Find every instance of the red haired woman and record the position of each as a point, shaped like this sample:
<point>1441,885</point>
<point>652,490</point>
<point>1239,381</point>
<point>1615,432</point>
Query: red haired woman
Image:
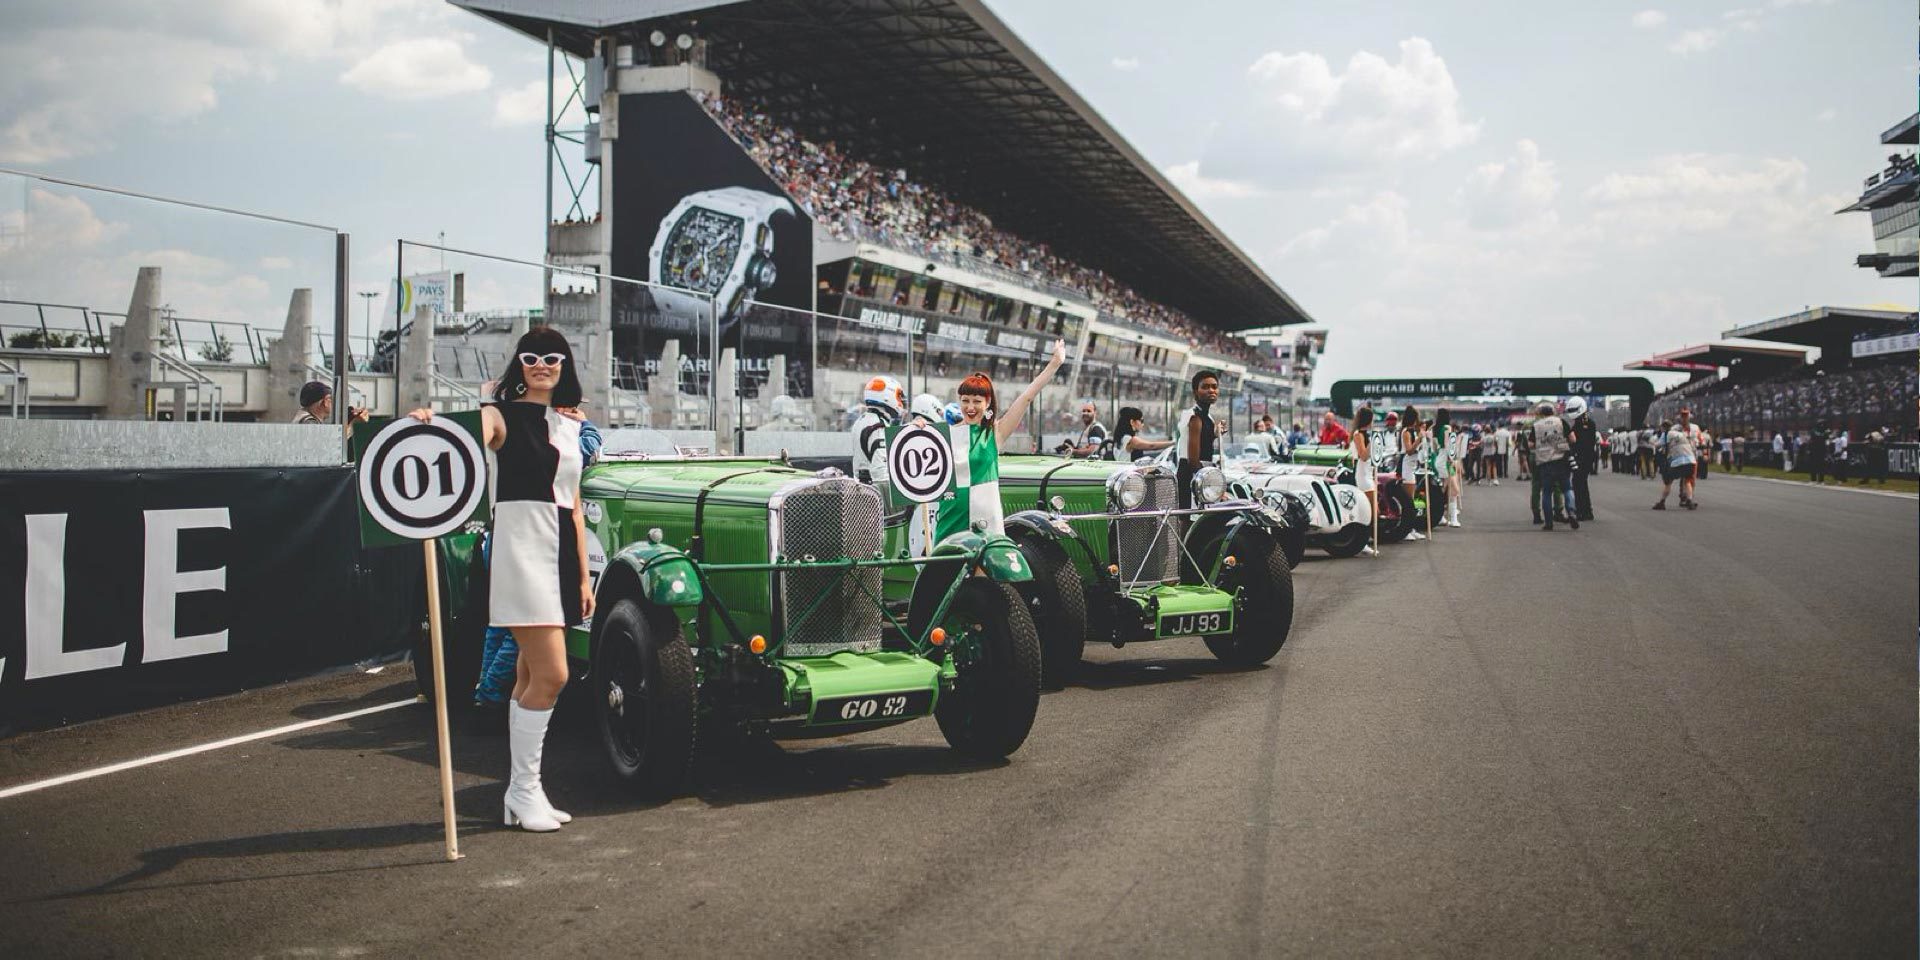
<point>986,428</point>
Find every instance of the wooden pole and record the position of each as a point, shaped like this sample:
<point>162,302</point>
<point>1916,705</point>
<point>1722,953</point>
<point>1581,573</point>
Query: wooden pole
<point>440,694</point>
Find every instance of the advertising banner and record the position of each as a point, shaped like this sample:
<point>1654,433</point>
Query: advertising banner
<point>692,211</point>
<point>122,590</point>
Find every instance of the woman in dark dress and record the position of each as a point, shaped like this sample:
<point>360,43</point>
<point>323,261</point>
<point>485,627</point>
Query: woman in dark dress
<point>539,582</point>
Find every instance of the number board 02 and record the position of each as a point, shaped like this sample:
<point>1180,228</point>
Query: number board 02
<point>920,463</point>
<point>419,480</point>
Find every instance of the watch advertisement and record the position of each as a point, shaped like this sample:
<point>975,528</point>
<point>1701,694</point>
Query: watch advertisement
<point>693,211</point>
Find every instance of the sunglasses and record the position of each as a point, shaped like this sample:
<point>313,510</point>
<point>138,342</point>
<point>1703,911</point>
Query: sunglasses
<point>542,359</point>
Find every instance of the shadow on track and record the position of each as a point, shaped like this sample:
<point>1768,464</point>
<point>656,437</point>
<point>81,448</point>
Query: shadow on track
<point>1124,674</point>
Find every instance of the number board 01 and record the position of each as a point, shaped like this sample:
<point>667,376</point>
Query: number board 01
<point>416,480</point>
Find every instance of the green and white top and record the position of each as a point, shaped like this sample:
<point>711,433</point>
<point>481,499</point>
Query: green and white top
<point>976,483</point>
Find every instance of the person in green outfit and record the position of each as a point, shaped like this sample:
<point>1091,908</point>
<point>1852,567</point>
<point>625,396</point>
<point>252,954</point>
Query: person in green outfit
<point>982,428</point>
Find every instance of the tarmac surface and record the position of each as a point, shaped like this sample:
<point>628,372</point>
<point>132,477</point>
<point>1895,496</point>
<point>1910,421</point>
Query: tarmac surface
<point>1665,733</point>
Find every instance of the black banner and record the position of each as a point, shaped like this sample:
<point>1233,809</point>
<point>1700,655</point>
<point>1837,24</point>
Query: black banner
<point>123,590</point>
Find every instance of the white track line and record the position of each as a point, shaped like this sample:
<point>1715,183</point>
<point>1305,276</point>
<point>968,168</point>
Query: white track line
<point>190,751</point>
<point>1817,486</point>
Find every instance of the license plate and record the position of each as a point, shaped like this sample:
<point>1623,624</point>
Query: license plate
<point>1196,624</point>
<point>872,709</point>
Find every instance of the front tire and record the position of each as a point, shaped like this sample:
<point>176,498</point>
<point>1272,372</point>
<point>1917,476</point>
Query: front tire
<point>1293,545</point>
<point>1348,542</point>
<point>646,703</point>
<point>1397,517</point>
<point>1262,626</point>
<point>991,707</point>
<point>1057,601</point>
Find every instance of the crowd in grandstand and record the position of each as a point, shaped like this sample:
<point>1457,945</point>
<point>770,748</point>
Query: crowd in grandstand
<point>853,199</point>
<point>1871,395</point>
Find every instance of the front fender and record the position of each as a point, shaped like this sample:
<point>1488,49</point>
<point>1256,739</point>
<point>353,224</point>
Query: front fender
<point>996,554</point>
<point>660,574</point>
<point>1040,524</point>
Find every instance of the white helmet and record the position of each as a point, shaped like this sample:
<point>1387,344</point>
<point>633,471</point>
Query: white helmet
<point>1576,406</point>
<point>884,396</point>
<point>927,406</point>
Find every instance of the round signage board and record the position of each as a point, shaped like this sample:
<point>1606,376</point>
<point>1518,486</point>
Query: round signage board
<point>920,463</point>
<point>422,480</point>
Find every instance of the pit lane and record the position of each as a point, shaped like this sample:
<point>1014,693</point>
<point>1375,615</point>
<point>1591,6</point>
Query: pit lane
<point>1668,732</point>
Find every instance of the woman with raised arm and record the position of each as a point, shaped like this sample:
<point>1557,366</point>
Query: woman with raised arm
<point>986,428</point>
<point>539,582</point>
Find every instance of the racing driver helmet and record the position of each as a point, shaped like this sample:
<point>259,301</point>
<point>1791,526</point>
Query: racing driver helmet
<point>1576,407</point>
<point>884,397</point>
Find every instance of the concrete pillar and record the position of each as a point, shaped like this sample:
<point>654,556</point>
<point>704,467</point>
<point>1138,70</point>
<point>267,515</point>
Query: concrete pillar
<point>726,386</point>
<point>663,388</point>
<point>416,362</point>
<point>130,350</point>
<point>287,360</point>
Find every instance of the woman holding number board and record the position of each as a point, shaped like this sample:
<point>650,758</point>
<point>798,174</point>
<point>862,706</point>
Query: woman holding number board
<point>986,428</point>
<point>539,582</point>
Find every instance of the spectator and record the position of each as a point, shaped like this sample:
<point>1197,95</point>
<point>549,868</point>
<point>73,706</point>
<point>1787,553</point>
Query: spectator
<point>316,406</point>
<point>1551,450</point>
<point>1332,434</point>
<point>1780,452</point>
<point>1092,440</point>
<point>1127,442</point>
<point>1681,447</point>
<point>1814,452</point>
<point>1502,449</point>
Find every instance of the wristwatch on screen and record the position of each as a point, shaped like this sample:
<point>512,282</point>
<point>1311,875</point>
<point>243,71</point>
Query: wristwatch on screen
<point>719,243</point>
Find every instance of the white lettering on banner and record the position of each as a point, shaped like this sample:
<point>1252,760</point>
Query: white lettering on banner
<point>1582,387</point>
<point>165,581</point>
<point>890,320</point>
<point>1019,342</point>
<point>1430,388</point>
<point>46,653</point>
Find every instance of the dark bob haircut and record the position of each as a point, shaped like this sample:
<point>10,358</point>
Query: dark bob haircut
<point>513,383</point>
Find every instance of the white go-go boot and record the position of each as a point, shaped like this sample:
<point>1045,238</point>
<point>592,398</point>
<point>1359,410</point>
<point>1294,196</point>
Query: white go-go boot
<point>526,801</point>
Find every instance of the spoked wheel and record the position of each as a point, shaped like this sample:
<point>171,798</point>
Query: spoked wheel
<point>645,701</point>
<point>996,653</point>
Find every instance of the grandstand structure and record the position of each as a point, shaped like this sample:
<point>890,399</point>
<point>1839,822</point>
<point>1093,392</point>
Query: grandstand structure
<point>879,186</point>
<point>1851,368</point>
<point>1892,198</point>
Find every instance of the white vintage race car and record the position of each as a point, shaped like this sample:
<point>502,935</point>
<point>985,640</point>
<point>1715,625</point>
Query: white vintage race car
<point>1342,521</point>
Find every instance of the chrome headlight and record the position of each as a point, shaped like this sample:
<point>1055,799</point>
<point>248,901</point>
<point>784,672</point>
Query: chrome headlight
<point>1127,489</point>
<point>1209,485</point>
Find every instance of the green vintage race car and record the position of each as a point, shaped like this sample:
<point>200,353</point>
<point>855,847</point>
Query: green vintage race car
<point>742,594</point>
<point>1115,561</point>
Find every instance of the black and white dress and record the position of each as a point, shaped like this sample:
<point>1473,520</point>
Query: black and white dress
<point>534,483</point>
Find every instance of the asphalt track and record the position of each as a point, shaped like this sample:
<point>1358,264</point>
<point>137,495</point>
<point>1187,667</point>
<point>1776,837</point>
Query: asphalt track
<point>1666,733</point>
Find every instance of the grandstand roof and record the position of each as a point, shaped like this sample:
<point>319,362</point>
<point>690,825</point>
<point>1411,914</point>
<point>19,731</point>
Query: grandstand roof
<point>1721,353</point>
<point>1670,366</point>
<point>946,90</point>
<point>1906,131</point>
<point>1822,325</point>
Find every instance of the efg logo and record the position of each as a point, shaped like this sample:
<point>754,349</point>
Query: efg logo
<point>1496,387</point>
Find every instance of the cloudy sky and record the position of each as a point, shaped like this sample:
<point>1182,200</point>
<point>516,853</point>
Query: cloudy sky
<point>1452,187</point>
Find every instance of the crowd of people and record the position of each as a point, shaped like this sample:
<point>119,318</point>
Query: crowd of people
<point>1863,396</point>
<point>1826,450</point>
<point>853,199</point>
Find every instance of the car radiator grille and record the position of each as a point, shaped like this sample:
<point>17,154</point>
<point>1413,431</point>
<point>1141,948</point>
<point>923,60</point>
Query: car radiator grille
<point>829,520</point>
<point>1145,538</point>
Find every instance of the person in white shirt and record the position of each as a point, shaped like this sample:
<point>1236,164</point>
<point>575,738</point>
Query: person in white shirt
<point>1780,451</point>
<point>1502,446</point>
<point>1682,444</point>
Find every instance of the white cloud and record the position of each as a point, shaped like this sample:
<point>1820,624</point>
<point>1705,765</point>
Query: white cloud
<point>1187,177</point>
<point>1302,117</point>
<point>275,263</point>
<point>81,74</point>
<point>1126,63</point>
<point>1827,115</point>
<point>1737,199</point>
<point>1697,41</point>
<point>1376,227</point>
<point>521,105</point>
<point>420,68</point>
<point>1516,192</point>
<point>1649,19</point>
